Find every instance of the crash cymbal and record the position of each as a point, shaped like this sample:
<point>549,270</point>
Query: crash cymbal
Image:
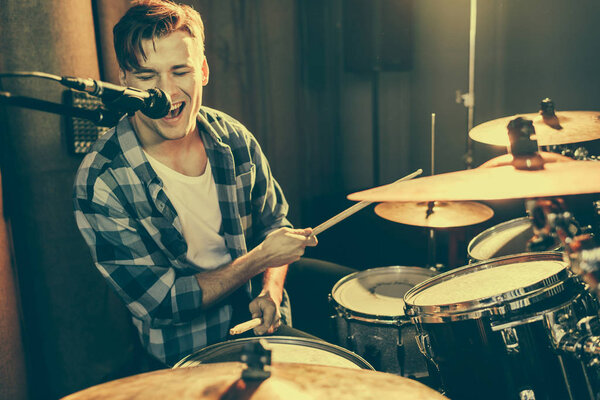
<point>435,214</point>
<point>507,159</point>
<point>497,183</point>
<point>287,381</point>
<point>577,126</point>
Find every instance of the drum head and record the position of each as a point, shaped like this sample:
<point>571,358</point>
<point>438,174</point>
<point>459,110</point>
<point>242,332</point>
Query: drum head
<point>504,239</point>
<point>378,292</point>
<point>284,349</point>
<point>468,292</point>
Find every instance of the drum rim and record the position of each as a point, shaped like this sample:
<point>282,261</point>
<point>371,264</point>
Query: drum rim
<point>348,313</point>
<point>479,238</point>
<point>493,305</point>
<point>312,343</point>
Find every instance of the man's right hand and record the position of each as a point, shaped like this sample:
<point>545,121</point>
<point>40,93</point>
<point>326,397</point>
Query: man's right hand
<point>285,246</point>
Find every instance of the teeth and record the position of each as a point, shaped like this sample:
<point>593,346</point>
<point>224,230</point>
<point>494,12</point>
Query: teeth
<point>175,106</point>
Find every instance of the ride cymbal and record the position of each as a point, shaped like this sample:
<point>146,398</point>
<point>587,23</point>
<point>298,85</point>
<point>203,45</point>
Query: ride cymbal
<point>435,214</point>
<point>496,183</point>
<point>577,126</point>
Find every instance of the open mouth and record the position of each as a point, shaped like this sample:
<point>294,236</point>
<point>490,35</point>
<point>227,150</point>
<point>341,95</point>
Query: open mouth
<point>176,110</point>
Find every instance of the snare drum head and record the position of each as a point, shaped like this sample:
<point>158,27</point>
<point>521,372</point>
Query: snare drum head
<point>284,349</point>
<point>490,282</point>
<point>378,291</point>
<point>504,239</point>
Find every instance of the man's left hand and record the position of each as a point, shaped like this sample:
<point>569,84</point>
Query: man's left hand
<point>266,308</point>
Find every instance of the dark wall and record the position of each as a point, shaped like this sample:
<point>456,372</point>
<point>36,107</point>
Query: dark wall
<point>76,332</point>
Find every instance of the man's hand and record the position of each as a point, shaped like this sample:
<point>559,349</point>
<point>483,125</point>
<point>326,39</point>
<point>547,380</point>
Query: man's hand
<point>285,246</point>
<point>266,308</point>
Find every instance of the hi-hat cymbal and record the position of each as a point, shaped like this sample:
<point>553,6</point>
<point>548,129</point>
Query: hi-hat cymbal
<point>577,126</point>
<point>287,381</point>
<point>497,183</point>
<point>437,214</point>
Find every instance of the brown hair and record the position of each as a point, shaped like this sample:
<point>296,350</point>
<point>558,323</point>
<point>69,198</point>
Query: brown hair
<point>151,19</point>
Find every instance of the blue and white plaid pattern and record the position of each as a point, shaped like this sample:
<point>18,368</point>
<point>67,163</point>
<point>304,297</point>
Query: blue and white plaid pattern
<point>135,235</point>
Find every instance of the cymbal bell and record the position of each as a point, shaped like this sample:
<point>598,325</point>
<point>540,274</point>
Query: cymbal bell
<point>287,381</point>
<point>435,214</point>
<point>507,159</point>
<point>577,126</point>
<point>496,183</point>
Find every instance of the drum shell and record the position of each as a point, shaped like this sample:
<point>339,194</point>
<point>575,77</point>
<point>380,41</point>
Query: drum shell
<point>496,351</point>
<point>378,338</point>
<point>231,350</point>
<point>473,360</point>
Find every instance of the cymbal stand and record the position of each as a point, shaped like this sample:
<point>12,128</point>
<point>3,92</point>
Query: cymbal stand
<point>468,99</point>
<point>431,244</point>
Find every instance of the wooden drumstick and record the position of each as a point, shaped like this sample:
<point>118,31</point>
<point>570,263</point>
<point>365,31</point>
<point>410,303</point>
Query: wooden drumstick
<point>355,208</point>
<point>245,326</point>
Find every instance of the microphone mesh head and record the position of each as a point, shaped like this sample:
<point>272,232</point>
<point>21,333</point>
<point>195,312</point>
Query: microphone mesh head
<point>158,105</point>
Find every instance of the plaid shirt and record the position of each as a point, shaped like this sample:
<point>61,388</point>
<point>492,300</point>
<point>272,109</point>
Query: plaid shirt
<point>135,235</point>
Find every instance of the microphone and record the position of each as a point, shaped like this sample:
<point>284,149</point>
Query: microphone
<point>153,103</point>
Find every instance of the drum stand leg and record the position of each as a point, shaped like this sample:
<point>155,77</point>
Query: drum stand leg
<point>401,353</point>
<point>431,250</point>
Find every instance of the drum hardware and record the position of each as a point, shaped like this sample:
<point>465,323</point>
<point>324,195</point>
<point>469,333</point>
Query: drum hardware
<point>526,394</point>
<point>424,344</point>
<point>256,357</point>
<point>511,340</point>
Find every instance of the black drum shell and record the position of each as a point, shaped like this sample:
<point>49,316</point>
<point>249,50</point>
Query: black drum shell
<point>472,361</point>
<point>470,354</point>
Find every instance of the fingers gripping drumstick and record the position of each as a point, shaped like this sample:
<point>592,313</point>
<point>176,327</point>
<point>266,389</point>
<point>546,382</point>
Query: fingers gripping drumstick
<point>245,326</point>
<point>355,208</point>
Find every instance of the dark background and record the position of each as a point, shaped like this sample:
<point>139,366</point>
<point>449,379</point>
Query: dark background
<point>320,83</point>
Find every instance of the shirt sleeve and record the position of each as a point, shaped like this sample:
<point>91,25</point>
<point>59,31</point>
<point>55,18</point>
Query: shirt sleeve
<point>133,265</point>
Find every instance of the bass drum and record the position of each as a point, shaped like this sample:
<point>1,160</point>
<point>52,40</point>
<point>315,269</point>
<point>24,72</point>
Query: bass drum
<point>492,329</point>
<point>504,239</point>
<point>285,349</point>
<point>370,321</point>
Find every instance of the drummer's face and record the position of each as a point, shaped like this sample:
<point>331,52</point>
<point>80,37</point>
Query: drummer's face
<point>175,64</point>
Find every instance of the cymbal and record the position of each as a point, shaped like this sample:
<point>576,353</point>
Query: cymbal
<point>507,159</point>
<point>577,126</point>
<point>443,214</point>
<point>497,183</point>
<point>287,381</point>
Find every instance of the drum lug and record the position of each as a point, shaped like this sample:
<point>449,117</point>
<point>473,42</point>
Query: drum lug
<point>424,345</point>
<point>526,394</point>
<point>511,340</point>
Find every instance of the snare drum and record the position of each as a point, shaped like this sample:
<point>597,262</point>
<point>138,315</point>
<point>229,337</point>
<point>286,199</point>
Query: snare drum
<point>370,320</point>
<point>285,349</point>
<point>492,328</point>
<point>506,238</point>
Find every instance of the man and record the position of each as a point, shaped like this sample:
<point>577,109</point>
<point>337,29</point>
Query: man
<point>180,213</point>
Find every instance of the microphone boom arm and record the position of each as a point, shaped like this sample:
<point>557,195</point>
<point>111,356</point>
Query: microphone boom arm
<point>98,116</point>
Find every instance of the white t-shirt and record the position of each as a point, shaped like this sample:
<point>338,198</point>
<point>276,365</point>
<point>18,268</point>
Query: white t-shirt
<point>197,204</point>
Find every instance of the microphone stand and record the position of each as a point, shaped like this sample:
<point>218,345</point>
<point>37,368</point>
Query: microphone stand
<point>99,116</point>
